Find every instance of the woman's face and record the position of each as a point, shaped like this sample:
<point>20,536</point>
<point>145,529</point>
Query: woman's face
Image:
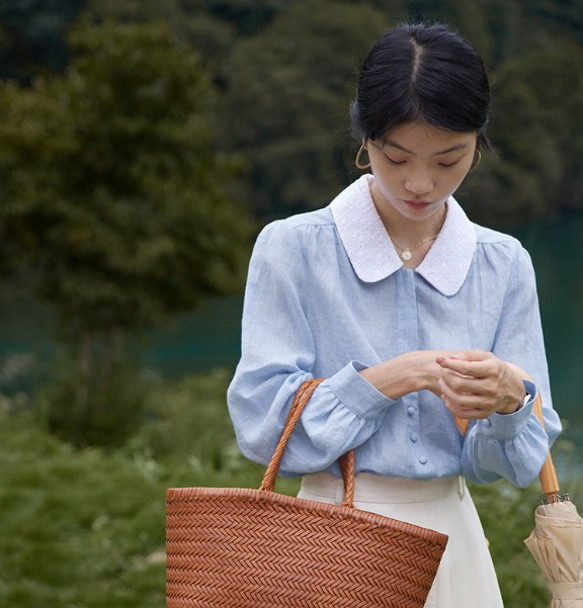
<point>417,167</point>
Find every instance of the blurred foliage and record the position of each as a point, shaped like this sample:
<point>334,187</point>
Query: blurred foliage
<point>286,72</point>
<point>113,195</point>
<point>189,419</point>
<point>291,84</point>
<point>78,528</point>
<point>113,202</point>
<point>90,410</point>
<point>540,169</point>
<point>86,527</point>
<point>507,515</point>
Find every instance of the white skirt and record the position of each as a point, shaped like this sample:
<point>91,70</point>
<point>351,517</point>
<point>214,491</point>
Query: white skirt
<point>466,576</point>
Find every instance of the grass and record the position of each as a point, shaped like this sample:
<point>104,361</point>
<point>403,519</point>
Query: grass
<point>85,528</point>
<point>79,529</point>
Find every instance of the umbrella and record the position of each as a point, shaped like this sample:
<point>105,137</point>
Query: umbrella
<point>556,543</point>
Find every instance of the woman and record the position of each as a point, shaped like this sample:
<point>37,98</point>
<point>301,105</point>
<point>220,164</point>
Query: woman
<point>412,314</point>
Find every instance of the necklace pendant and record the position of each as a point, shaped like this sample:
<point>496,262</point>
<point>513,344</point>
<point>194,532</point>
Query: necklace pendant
<point>406,254</point>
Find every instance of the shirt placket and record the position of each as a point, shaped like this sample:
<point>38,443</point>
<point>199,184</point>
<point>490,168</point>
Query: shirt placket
<point>408,319</point>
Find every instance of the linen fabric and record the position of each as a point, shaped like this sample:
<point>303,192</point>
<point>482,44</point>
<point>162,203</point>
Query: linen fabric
<point>327,295</point>
<point>466,574</point>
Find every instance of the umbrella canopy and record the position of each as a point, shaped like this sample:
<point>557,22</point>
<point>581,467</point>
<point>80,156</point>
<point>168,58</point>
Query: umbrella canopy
<point>556,543</point>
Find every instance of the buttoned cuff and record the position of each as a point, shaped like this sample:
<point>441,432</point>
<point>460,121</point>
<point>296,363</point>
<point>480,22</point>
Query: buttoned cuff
<point>357,393</point>
<point>507,426</point>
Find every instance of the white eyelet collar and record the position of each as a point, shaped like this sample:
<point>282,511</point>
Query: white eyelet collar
<point>373,255</point>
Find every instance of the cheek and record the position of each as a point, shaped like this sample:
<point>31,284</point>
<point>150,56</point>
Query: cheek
<point>386,181</point>
<point>387,189</point>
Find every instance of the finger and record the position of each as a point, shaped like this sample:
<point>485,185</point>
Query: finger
<point>467,385</point>
<point>475,355</point>
<point>453,397</point>
<point>463,410</point>
<point>468,413</point>
<point>470,369</point>
<point>466,403</point>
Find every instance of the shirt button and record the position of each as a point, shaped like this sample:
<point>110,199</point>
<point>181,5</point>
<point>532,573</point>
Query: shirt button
<point>413,437</point>
<point>423,460</point>
<point>410,410</point>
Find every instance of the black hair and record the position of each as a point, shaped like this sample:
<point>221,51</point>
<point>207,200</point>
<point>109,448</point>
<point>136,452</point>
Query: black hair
<point>421,73</point>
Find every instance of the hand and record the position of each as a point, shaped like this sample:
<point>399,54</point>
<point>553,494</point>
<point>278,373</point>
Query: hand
<point>414,371</point>
<point>476,383</point>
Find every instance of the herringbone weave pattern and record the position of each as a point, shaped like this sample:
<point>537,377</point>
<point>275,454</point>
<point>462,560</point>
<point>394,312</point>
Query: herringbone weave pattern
<point>243,548</point>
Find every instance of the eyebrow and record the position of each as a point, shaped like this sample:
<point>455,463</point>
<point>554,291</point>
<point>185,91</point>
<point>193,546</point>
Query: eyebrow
<point>455,148</point>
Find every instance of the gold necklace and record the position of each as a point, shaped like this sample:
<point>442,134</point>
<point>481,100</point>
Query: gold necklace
<point>406,251</point>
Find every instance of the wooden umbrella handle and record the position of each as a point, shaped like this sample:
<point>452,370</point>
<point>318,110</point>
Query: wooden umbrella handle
<point>548,474</point>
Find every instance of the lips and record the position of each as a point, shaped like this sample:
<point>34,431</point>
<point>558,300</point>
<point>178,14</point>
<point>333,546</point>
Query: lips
<point>417,204</point>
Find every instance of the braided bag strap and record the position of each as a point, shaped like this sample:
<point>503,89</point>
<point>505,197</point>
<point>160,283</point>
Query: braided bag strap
<point>302,396</point>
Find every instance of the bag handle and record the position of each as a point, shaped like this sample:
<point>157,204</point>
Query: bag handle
<point>301,399</point>
<point>548,474</point>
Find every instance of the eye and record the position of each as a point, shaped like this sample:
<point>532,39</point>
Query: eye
<point>395,162</point>
<point>446,165</point>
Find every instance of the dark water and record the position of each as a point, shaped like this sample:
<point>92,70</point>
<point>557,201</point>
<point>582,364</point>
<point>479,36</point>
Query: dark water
<point>556,248</point>
<point>210,338</point>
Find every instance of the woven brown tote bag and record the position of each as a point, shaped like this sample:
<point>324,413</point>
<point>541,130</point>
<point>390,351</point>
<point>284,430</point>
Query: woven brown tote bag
<point>246,548</point>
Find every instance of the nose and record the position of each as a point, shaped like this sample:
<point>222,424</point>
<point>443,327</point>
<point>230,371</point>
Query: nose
<point>419,184</point>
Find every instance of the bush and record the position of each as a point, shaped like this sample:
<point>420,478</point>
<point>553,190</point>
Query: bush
<point>107,412</point>
<point>78,528</point>
<point>86,527</point>
<point>507,514</point>
<point>188,421</point>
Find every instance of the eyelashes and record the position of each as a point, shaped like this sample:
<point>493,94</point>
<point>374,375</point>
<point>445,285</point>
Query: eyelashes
<point>398,163</point>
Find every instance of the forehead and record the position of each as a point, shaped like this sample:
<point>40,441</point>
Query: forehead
<point>421,138</point>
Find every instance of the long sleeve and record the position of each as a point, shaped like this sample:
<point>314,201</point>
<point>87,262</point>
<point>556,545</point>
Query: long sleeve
<point>279,354</point>
<point>515,446</point>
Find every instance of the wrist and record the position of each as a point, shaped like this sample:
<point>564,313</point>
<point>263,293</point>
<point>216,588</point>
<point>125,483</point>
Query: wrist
<point>399,376</point>
<point>511,409</point>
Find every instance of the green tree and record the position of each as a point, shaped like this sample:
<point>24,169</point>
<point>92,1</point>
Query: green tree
<point>538,170</point>
<point>287,102</point>
<point>113,197</point>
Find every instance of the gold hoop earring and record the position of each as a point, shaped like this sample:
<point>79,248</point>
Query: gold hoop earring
<point>357,159</point>
<point>477,160</point>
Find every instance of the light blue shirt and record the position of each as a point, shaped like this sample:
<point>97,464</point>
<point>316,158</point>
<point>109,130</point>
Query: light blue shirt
<point>327,296</point>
